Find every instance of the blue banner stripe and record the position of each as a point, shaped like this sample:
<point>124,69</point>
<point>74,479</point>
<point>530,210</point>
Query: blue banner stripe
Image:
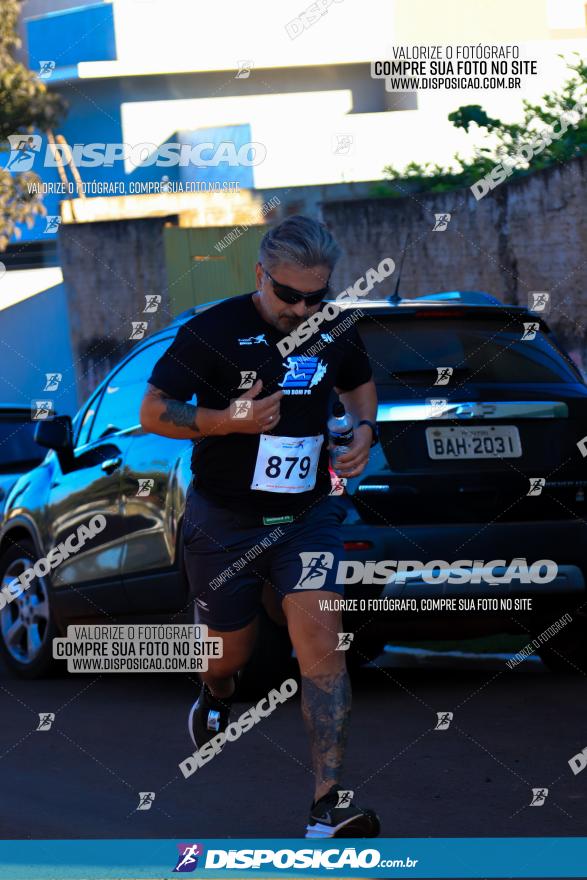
<point>479,857</point>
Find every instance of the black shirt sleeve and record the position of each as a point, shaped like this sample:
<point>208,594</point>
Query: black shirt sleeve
<point>354,369</point>
<point>180,370</point>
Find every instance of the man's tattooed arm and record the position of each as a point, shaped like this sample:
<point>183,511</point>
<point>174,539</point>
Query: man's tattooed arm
<point>326,706</point>
<point>161,414</point>
<point>181,414</point>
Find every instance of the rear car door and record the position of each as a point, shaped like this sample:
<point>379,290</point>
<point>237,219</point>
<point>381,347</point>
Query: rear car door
<point>155,479</point>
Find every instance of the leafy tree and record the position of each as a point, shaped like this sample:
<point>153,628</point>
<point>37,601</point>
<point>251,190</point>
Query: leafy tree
<point>505,140</point>
<point>26,105</point>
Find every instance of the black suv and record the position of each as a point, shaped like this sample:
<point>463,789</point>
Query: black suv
<point>477,464</point>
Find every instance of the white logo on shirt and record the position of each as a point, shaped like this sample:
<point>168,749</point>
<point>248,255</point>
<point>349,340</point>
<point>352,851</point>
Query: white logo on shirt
<point>254,340</point>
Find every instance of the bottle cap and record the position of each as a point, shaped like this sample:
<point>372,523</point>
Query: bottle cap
<point>338,409</point>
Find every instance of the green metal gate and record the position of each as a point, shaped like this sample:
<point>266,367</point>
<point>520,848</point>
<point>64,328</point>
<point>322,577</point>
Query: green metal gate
<point>198,272</point>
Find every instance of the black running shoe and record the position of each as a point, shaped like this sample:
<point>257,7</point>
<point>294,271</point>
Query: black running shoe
<point>208,716</point>
<point>331,817</point>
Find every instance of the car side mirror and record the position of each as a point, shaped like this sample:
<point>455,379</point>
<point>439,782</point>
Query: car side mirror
<point>55,433</point>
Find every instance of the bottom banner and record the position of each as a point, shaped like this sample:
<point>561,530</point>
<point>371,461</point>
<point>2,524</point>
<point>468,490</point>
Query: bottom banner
<point>454,857</point>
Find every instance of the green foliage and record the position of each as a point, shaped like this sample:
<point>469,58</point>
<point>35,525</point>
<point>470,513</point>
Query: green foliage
<point>504,139</point>
<point>26,105</point>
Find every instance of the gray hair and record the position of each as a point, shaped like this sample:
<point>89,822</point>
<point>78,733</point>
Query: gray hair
<point>300,241</point>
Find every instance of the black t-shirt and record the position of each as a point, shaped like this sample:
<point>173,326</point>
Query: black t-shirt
<point>215,355</point>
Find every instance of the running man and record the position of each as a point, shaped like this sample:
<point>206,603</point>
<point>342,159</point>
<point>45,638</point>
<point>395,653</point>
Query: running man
<point>270,469</point>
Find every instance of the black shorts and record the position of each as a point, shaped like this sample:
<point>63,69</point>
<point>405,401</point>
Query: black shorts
<point>228,557</point>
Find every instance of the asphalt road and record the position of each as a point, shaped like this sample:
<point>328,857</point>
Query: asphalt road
<point>117,735</point>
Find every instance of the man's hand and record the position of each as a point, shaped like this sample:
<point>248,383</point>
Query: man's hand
<point>250,416</point>
<point>354,461</point>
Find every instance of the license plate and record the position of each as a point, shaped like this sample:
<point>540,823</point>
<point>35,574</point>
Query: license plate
<point>482,441</point>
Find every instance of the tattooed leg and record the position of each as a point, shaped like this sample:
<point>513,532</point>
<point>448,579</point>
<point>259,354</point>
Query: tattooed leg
<point>326,706</point>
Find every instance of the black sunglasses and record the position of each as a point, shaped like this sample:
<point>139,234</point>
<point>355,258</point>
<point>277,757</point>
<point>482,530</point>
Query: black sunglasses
<point>291,296</point>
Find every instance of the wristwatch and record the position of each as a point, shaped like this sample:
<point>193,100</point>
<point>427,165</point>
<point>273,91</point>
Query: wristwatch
<point>374,430</point>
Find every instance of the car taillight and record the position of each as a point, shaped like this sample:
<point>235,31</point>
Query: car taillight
<point>357,545</point>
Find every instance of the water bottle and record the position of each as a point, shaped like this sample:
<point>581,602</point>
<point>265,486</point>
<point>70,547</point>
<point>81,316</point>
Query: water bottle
<point>340,431</point>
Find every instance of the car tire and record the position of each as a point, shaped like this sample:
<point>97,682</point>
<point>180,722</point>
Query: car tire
<point>565,653</point>
<point>27,624</point>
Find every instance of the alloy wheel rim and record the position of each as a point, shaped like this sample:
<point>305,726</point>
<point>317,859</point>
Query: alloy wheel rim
<point>24,622</point>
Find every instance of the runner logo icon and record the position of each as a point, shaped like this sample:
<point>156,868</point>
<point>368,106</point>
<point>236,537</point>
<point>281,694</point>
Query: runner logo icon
<point>315,567</point>
<point>187,860</point>
<point>254,340</point>
<point>302,373</point>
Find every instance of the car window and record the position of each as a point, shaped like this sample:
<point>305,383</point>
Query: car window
<point>120,401</point>
<point>479,350</point>
<point>17,447</point>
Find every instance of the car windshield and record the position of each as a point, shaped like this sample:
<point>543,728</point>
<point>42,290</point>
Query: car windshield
<point>478,350</point>
<point>17,445</point>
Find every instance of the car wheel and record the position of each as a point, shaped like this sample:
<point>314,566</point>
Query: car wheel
<point>566,651</point>
<point>27,626</point>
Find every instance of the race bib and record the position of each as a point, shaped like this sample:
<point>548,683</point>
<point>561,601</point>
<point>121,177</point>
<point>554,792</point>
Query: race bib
<point>286,464</point>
